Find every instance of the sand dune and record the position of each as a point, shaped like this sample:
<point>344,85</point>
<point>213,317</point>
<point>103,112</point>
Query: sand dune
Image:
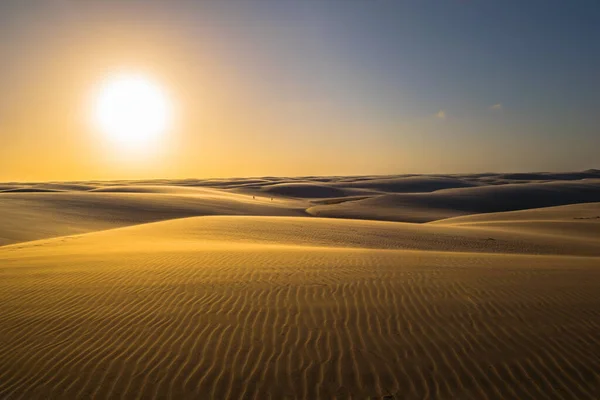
<point>330,187</point>
<point>425,207</point>
<point>572,212</point>
<point>324,232</point>
<point>60,186</point>
<point>42,210</point>
<point>30,190</point>
<point>169,189</point>
<point>309,190</point>
<point>4,187</point>
<point>31,216</point>
<point>550,176</point>
<point>233,307</point>
<point>227,183</point>
<point>187,289</point>
<point>580,221</point>
<point>410,184</point>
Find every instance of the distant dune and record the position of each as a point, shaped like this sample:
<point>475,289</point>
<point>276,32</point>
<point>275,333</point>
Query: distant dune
<point>64,186</point>
<point>425,207</point>
<point>411,184</point>
<point>155,188</point>
<point>309,190</point>
<point>41,210</point>
<point>553,176</point>
<point>8,187</point>
<point>30,190</point>
<point>232,288</point>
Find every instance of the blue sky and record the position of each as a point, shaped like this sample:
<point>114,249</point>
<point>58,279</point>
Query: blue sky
<point>371,86</point>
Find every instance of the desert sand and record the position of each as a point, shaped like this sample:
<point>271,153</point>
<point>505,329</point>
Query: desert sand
<point>481,286</point>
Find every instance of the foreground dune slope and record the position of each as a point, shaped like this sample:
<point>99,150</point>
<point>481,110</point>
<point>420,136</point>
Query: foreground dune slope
<point>233,307</point>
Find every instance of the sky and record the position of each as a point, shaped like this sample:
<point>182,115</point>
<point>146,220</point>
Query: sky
<point>305,87</point>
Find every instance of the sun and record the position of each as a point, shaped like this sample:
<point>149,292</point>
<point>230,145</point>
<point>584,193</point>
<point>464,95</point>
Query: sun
<point>131,110</point>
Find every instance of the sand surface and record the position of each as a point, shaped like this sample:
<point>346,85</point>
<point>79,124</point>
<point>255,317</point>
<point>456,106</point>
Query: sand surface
<point>232,289</point>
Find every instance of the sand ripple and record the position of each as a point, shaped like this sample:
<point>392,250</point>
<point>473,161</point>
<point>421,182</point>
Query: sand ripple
<point>308,323</point>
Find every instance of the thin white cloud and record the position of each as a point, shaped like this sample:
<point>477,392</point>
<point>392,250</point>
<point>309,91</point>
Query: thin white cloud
<point>496,107</point>
<point>441,114</point>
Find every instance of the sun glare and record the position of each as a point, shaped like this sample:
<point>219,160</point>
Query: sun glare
<point>131,110</point>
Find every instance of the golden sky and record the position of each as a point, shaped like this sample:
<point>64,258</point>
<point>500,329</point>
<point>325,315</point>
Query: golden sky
<point>287,89</point>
